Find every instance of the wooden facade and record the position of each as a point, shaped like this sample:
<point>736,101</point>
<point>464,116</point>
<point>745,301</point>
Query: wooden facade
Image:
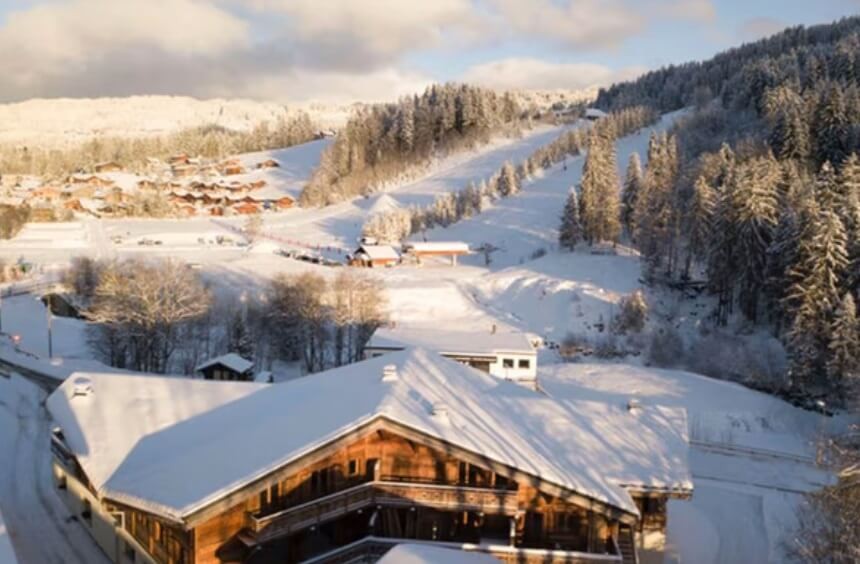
<point>381,482</point>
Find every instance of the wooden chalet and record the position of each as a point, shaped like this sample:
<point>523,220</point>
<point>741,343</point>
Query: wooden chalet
<point>246,208</point>
<point>178,159</point>
<point>423,250</point>
<point>90,180</point>
<point>110,166</point>
<point>374,256</point>
<point>594,114</point>
<point>183,170</point>
<point>342,465</point>
<point>269,163</point>
<point>231,167</point>
<point>505,354</point>
<point>228,366</point>
<point>45,193</point>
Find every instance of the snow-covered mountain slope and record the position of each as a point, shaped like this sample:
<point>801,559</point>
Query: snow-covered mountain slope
<point>62,122</point>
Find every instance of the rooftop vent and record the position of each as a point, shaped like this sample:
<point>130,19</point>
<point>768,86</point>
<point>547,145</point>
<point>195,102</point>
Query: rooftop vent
<point>440,411</point>
<point>633,405</point>
<point>82,387</point>
<point>389,373</point>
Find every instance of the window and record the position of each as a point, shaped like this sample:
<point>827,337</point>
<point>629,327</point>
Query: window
<point>352,467</point>
<point>507,363</point>
<point>128,551</point>
<point>525,363</point>
<point>370,468</point>
<point>87,513</point>
<point>61,482</point>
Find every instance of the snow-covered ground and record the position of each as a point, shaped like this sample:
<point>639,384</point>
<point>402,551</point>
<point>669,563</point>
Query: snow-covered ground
<point>61,122</point>
<point>752,455</point>
<point>7,551</point>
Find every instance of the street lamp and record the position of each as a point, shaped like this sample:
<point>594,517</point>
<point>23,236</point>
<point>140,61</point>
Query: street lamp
<point>50,320</point>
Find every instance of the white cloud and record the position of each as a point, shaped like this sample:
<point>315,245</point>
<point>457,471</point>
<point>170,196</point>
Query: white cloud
<point>302,85</point>
<point>297,49</point>
<point>757,28</point>
<point>535,74</point>
<point>77,36</point>
<point>375,30</point>
<point>589,24</point>
<point>702,11</point>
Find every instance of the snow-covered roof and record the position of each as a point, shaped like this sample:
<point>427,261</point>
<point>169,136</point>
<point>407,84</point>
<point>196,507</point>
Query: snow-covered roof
<point>379,252</point>
<point>269,193</point>
<point>231,360</point>
<point>594,113</point>
<point>451,342</point>
<point>145,441</point>
<point>408,553</point>
<point>437,247</point>
<point>104,427</point>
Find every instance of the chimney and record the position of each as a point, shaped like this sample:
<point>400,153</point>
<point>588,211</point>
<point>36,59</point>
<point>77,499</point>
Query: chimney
<point>633,405</point>
<point>82,386</point>
<point>439,411</point>
<point>389,373</point>
<point>493,329</point>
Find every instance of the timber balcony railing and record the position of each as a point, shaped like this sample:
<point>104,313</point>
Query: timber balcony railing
<point>371,549</point>
<point>384,493</point>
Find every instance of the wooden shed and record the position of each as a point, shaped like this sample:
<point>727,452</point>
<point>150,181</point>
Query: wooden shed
<point>375,256</point>
<point>229,366</point>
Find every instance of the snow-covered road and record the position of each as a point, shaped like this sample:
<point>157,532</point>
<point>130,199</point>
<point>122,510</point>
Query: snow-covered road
<point>40,527</point>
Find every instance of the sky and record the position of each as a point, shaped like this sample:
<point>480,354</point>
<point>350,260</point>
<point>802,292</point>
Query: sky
<point>346,50</point>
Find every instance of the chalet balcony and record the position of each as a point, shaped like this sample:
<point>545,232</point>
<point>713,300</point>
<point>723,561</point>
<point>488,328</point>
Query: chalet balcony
<point>371,549</point>
<point>387,492</point>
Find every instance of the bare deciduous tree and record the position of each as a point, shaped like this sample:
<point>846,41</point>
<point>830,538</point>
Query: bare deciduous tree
<point>143,304</point>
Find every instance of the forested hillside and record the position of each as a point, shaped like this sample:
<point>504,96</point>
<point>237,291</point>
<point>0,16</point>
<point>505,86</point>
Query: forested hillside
<point>381,141</point>
<point>757,190</point>
<point>210,141</point>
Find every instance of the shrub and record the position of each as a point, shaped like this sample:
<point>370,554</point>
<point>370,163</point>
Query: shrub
<point>632,314</point>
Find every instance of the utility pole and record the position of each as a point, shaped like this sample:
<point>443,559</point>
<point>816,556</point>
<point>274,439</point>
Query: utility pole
<point>50,323</point>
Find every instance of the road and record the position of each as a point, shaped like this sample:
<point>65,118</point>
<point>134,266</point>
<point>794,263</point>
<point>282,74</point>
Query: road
<point>40,526</point>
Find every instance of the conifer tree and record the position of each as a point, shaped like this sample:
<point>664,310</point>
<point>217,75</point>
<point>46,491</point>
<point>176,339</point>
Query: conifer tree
<point>630,196</point>
<point>699,222</point>
<point>755,213</point>
<point>508,184</point>
<point>831,126</point>
<point>816,291</point>
<point>570,232</point>
<point>844,348</point>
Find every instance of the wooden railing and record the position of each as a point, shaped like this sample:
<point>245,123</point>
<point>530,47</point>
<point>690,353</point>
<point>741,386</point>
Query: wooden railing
<point>370,549</point>
<point>384,493</point>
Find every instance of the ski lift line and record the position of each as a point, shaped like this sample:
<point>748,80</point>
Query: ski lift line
<point>285,240</point>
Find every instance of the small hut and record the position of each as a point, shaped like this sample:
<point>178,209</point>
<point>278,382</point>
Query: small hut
<point>375,256</point>
<point>229,366</point>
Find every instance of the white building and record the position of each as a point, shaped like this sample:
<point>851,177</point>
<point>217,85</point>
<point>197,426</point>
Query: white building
<point>504,354</point>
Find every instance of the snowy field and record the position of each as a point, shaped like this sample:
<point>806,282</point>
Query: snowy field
<point>752,456</point>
